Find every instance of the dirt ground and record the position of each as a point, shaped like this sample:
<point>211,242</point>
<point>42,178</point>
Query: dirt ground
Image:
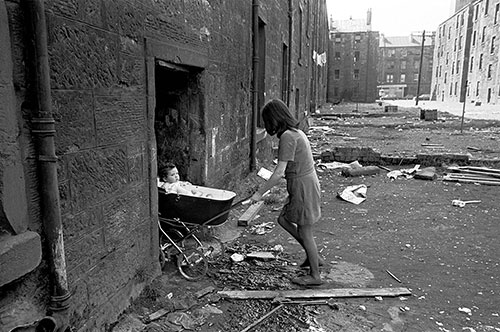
<point>446,256</point>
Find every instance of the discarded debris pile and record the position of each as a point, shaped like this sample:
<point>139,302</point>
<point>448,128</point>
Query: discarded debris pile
<point>427,173</point>
<point>245,266</point>
<point>470,174</point>
<point>262,315</point>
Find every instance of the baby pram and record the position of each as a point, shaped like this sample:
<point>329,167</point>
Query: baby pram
<point>181,216</point>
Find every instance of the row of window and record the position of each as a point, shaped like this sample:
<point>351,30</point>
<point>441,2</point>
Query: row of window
<point>453,90</point>
<point>389,78</point>
<point>461,18</point>
<point>355,74</point>
<point>492,47</point>
<point>338,38</point>
<point>402,64</point>
<point>471,67</point>
<point>355,58</point>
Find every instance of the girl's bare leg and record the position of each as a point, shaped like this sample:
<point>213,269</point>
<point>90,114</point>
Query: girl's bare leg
<point>306,234</point>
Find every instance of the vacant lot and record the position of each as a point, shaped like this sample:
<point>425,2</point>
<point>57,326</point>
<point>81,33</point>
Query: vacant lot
<point>447,256</point>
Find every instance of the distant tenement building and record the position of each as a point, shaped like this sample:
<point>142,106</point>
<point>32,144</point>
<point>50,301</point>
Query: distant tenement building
<point>467,54</point>
<point>352,61</point>
<point>399,65</point>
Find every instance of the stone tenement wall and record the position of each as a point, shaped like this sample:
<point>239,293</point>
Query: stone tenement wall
<point>103,58</point>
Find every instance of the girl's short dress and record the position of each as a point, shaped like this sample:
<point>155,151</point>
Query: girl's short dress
<point>303,206</point>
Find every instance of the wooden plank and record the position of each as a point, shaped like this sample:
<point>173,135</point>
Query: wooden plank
<point>488,183</point>
<point>204,291</point>
<point>471,177</point>
<point>250,213</point>
<point>484,169</point>
<point>258,321</point>
<point>158,314</point>
<point>488,173</point>
<point>315,293</point>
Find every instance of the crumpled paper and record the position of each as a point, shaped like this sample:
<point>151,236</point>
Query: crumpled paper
<point>354,194</point>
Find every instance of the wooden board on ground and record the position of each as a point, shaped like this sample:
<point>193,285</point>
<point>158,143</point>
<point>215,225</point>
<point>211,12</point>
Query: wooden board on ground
<point>315,293</point>
<point>250,213</point>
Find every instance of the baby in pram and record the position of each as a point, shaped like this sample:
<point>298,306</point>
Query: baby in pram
<point>169,180</point>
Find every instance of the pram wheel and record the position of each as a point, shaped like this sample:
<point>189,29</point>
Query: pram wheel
<point>192,263</point>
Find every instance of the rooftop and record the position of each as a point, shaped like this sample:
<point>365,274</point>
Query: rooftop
<point>405,41</point>
<point>350,25</point>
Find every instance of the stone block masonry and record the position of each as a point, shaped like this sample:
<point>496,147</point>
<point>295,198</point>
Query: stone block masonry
<point>350,154</point>
<point>367,156</point>
<point>117,69</point>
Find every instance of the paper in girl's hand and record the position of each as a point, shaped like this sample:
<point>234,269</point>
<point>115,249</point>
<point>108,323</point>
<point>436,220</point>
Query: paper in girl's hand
<point>264,173</point>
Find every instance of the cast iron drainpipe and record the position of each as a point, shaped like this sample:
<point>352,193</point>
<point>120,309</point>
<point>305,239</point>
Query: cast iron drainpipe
<point>44,129</point>
<point>255,85</point>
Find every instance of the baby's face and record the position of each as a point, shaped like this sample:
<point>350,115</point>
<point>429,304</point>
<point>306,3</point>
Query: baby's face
<point>172,176</point>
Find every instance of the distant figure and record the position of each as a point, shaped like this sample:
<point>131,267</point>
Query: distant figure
<point>295,162</point>
<point>169,180</point>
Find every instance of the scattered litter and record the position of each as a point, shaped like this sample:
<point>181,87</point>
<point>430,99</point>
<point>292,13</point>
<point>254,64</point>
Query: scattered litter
<point>393,276</point>
<point>332,304</point>
<point>460,203</point>
<point>406,173</point>
<point>432,145</point>
<point>322,129</point>
<point>378,298</point>
<point>262,255</point>
<point>470,329</point>
<point>465,310</point>
<point>264,173</point>
<point>338,165</point>
<point>262,228</point>
<point>354,194</point>
<point>362,307</point>
<point>278,248</point>
<point>237,257</point>
<point>360,211</point>
<point>211,309</point>
<point>428,173</point>
<point>393,175</point>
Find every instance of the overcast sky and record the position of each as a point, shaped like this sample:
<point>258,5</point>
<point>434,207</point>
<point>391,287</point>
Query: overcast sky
<point>394,17</point>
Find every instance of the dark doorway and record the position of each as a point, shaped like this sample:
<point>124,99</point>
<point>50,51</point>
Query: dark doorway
<point>262,70</point>
<point>179,121</point>
<point>284,74</point>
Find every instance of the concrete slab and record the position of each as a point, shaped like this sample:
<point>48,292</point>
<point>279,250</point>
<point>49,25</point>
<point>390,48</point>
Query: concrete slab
<point>19,255</point>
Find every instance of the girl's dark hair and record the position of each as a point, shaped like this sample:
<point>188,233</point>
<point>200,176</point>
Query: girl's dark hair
<point>277,118</point>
